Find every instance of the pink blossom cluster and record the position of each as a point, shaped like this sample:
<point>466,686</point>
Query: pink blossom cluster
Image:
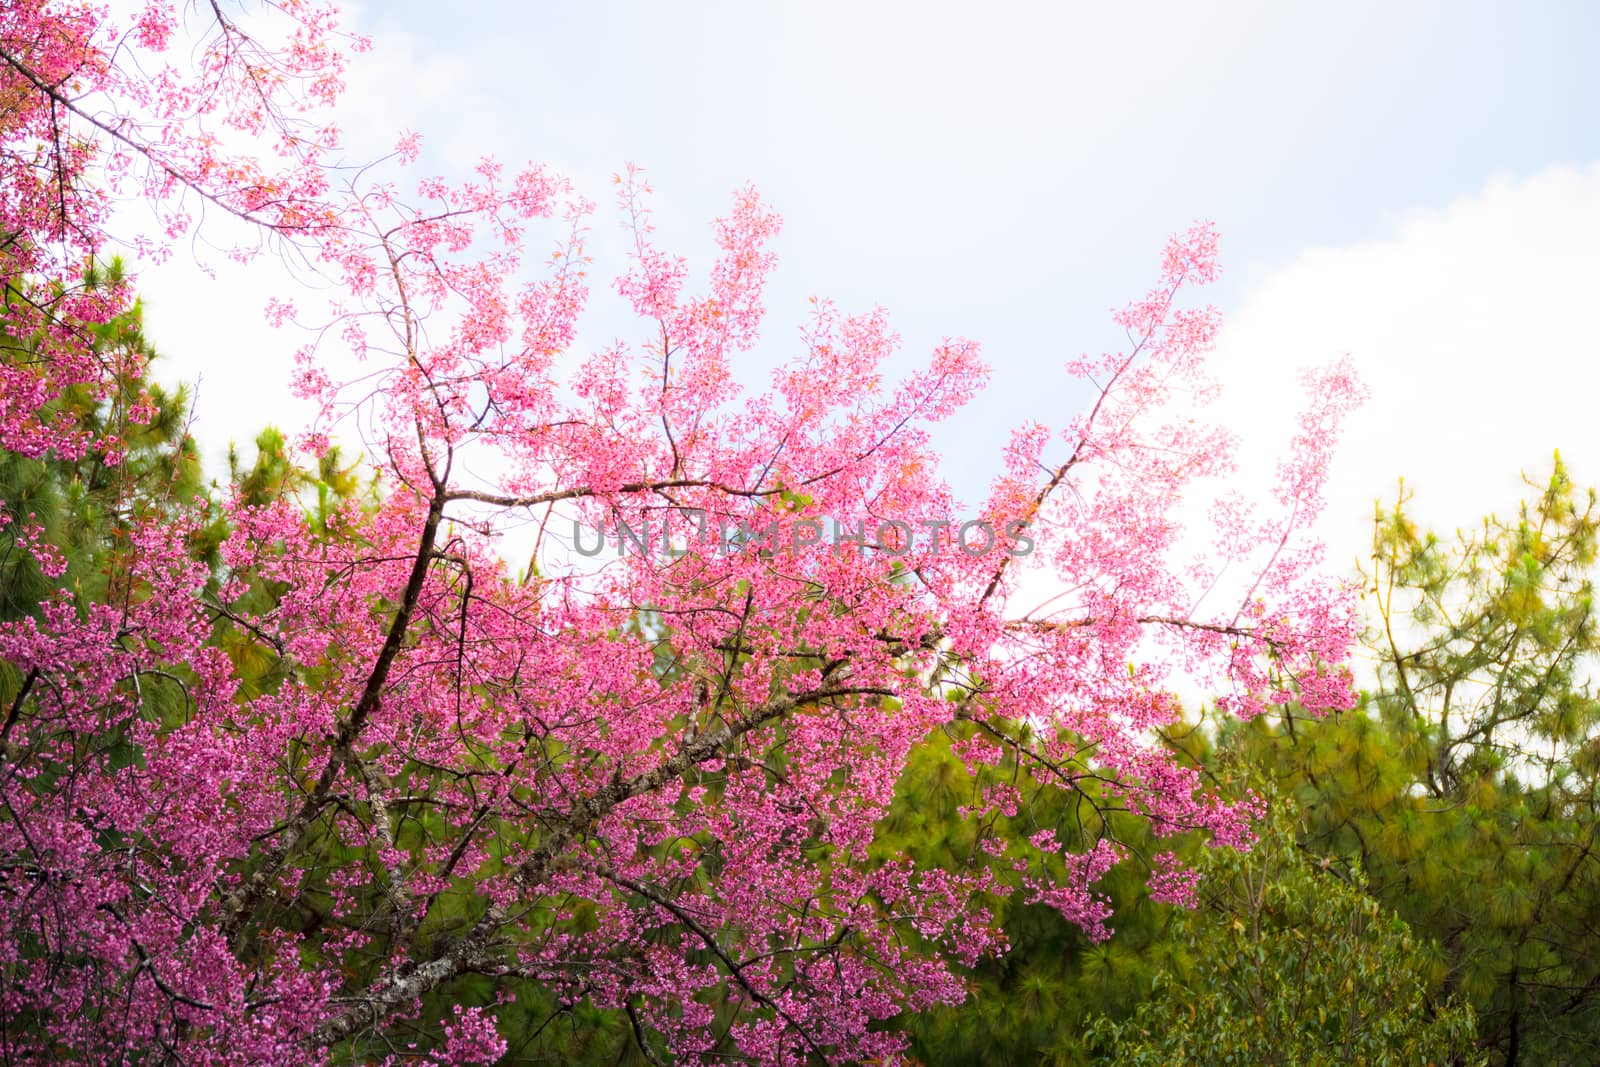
<point>93,113</point>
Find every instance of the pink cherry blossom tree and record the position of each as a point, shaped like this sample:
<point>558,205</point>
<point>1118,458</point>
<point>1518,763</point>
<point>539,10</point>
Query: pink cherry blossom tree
<point>649,781</point>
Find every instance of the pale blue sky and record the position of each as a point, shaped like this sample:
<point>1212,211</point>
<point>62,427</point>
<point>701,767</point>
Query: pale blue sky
<point>1009,172</point>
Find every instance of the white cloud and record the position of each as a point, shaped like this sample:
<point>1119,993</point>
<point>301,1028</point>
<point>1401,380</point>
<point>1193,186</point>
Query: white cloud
<point>1473,327</point>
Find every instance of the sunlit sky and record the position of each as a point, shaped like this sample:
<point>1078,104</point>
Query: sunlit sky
<point>1413,184</point>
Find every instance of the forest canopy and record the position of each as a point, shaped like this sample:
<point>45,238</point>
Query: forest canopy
<point>296,768</point>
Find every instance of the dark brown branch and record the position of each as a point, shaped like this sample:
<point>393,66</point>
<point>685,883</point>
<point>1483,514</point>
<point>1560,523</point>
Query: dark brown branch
<point>710,940</point>
<point>238,905</point>
<point>478,945</point>
<point>15,712</point>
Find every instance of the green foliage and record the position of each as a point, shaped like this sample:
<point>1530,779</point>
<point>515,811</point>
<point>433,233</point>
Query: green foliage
<point>1466,786</point>
<point>1288,963</point>
<point>275,473</point>
<point>1059,998</point>
<point>1030,1006</point>
<point>82,506</point>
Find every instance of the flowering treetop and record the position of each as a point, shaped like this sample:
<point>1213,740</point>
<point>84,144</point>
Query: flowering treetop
<point>651,785</point>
